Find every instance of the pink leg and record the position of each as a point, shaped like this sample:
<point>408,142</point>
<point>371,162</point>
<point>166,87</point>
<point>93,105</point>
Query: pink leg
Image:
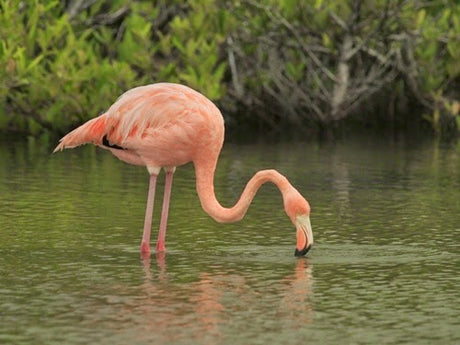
<point>145,244</point>
<point>164,212</point>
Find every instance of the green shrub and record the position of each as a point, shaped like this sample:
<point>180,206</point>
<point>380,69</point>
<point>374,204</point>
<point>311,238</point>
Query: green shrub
<point>281,61</point>
<point>59,71</point>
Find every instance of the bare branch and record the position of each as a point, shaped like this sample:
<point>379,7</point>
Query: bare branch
<point>231,61</point>
<point>339,21</point>
<point>278,17</point>
<point>76,7</point>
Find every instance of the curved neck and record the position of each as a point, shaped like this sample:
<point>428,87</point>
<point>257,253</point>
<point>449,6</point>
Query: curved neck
<point>205,187</point>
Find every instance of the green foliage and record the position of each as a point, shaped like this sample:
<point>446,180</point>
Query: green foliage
<point>63,62</point>
<point>59,71</point>
<point>193,44</point>
<point>51,69</point>
<point>438,58</point>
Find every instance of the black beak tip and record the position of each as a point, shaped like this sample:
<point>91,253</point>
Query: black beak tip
<point>302,252</point>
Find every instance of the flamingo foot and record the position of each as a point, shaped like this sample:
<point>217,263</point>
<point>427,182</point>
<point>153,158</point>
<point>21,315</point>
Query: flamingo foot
<point>161,246</point>
<point>145,249</point>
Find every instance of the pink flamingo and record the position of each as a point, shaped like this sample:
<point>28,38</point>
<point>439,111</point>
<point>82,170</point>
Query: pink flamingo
<point>167,125</point>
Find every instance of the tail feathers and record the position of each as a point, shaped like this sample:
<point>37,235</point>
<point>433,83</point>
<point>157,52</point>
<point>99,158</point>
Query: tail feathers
<point>91,131</point>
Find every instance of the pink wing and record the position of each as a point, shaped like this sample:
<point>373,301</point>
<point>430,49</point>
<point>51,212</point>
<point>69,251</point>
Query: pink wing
<point>134,112</point>
<point>90,132</point>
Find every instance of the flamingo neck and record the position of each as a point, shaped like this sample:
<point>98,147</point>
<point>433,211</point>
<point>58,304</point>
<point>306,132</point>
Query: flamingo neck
<point>205,188</point>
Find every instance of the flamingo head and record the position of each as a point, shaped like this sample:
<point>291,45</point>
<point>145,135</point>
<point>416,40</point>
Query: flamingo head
<point>298,210</point>
<point>304,235</point>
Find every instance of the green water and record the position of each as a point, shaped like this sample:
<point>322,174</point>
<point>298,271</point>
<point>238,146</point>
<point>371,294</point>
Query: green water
<point>384,268</point>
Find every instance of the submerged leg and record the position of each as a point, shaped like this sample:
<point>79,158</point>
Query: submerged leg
<point>164,212</point>
<point>145,244</point>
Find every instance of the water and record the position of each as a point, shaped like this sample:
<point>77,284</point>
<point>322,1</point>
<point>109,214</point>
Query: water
<point>384,268</point>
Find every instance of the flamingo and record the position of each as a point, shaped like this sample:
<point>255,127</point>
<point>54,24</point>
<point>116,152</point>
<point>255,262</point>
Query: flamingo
<point>165,125</point>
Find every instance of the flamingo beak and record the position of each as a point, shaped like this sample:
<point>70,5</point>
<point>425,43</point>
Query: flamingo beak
<point>304,235</point>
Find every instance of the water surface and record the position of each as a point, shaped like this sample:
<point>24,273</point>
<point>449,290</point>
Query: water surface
<point>384,268</point>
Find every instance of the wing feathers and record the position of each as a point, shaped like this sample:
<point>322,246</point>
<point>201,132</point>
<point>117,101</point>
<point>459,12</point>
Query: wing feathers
<point>90,132</point>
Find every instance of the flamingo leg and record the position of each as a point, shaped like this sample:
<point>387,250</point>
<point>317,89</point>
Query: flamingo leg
<point>161,242</point>
<point>145,244</point>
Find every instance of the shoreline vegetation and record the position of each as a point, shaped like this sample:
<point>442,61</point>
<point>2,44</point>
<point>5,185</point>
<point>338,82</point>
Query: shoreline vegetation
<point>312,65</point>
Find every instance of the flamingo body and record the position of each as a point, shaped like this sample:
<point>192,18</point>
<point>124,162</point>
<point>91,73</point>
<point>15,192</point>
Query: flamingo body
<point>155,126</point>
<point>166,125</point>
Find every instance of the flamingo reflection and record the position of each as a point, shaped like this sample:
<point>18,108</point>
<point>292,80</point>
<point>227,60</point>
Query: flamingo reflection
<point>168,309</point>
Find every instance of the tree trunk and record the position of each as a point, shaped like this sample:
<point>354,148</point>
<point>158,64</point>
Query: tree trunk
<point>343,80</point>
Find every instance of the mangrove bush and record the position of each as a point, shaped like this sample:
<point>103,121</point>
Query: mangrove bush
<point>270,62</point>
